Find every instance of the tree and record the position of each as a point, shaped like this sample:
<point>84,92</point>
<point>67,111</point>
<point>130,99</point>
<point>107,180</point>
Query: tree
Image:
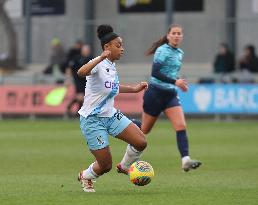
<point>11,61</point>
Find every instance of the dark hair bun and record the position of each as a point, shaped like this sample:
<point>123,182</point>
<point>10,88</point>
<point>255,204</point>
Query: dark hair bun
<point>103,30</point>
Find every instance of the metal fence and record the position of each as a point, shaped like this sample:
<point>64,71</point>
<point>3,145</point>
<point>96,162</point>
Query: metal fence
<point>201,36</point>
<point>201,40</point>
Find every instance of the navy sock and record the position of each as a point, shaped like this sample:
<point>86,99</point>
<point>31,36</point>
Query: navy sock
<point>182,143</point>
<point>137,122</point>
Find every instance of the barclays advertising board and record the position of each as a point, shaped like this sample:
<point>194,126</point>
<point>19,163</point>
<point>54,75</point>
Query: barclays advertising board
<point>220,99</point>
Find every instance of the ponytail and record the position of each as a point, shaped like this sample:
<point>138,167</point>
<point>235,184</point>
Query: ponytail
<point>161,41</point>
<point>155,45</point>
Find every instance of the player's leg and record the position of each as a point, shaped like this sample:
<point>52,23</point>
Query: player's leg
<point>96,135</point>
<point>103,164</point>
<point>123,128</point>
<point>148,122</point>
<point>177,119</point>
<point>136,144</point>
<point>133,136</point>
<point>152,107</point>
<point>131,154</point>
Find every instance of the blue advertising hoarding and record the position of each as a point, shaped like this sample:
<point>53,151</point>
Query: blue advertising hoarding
<point>220,99</point>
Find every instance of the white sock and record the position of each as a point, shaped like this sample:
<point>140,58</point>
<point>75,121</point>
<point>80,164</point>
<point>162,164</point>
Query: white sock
<point>131,156</point>
<point>185,159</point>
<point>89,173</point>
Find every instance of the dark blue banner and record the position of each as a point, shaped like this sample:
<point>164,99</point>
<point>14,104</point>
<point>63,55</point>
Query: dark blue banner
<point>132,6</point>
<point>46,7</point>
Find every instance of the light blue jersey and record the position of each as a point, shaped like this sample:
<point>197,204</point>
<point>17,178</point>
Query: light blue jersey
<point>171,60</point>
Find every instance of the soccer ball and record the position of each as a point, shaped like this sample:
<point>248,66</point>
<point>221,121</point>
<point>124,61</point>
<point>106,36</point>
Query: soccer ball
<point>141,173</point>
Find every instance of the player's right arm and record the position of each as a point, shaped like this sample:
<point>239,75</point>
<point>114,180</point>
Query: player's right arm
<point>85,70</point>
<point>181,83</point>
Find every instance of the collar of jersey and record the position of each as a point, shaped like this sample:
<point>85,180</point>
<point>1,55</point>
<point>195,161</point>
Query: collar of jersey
<point>173,48</point>
<point>109,62</point>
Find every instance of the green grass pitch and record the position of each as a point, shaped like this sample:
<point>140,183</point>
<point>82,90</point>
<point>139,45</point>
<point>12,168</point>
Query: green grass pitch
<point>40,160</point>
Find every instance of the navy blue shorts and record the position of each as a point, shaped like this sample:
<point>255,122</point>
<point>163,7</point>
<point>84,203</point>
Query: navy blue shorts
<point>156,100</point>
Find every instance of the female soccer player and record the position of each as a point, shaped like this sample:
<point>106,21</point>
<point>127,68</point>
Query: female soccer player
<point>161,95</point>
<point>98,117</point>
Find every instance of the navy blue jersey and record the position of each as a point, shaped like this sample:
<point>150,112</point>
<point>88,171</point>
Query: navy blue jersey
<point>75,65</point>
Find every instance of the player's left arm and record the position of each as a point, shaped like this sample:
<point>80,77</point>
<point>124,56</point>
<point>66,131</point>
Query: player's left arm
<point>133,88</point>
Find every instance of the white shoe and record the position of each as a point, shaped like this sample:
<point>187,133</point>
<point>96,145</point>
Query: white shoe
<point>87,184</point>
<point>188,164</point>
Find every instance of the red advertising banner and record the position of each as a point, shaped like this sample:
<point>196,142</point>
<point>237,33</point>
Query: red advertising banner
<point>52,99</point>
<point>130,103</point>
<point>33,99</point>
